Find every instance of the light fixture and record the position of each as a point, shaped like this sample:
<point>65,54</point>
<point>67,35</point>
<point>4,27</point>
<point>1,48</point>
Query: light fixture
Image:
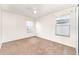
<point>35,11</point>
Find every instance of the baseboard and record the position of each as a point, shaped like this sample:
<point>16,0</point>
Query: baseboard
<point>18,39</point>
<point>55,42</point>
<point>0,46</point>
<point>27,37</point>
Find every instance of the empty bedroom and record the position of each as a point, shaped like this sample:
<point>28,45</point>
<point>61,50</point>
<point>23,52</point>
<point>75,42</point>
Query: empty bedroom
<point>38,29</point>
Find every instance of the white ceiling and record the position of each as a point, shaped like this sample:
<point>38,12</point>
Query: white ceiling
<point>28,9</point>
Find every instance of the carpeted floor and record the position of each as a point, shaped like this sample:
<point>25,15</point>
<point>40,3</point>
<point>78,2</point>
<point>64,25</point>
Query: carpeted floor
<point>35,46</point>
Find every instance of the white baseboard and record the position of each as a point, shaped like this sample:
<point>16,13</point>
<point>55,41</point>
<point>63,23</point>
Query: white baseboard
<point>16,39</point>
<point>0,46</point>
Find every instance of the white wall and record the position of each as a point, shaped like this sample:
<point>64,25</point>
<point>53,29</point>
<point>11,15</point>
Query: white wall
<point>46,27</point>
<point>0,28</point>
<point>14,26</point>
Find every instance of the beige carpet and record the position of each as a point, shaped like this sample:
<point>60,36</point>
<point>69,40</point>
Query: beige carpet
<point>36,46</point>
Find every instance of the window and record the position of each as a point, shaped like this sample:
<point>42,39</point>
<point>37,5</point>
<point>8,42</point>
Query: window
<point>63,26</point>
<point>29,26</point>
